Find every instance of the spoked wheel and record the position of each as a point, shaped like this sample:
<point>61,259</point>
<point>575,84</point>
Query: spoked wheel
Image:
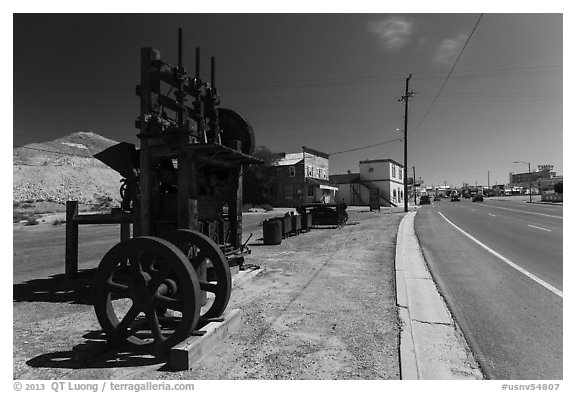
<point>126,298</point>
<point>200,248</point>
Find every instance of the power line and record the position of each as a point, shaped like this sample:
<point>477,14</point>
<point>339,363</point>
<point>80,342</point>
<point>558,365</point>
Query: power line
<point>448,76</point>
<point>366,147</point>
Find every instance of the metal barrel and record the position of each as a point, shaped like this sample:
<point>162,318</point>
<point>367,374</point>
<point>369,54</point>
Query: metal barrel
<point>272,231</point>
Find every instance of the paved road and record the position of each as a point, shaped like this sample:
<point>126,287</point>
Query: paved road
<point>511,317</point>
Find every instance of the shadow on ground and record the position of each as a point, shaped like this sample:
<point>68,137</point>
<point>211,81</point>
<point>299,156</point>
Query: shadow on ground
<point>95,353</point>
<point>56,289</point>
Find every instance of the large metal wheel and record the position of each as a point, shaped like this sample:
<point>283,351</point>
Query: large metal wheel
<point>199,249</point>
<point>234,127</point>
<point>133,281</point>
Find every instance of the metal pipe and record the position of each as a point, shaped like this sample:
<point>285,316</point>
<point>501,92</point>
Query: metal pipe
<point>197,63</point>
<point>180,48</point>
<point>213,72</point>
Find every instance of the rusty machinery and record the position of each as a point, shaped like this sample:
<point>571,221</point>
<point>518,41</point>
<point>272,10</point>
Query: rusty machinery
<point>182,191</point>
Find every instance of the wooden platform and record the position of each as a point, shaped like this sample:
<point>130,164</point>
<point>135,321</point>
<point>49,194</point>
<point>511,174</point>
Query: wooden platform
<point>194,348</point>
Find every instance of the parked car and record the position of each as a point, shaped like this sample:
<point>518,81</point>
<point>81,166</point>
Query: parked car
<point>478,198</point>
<point>454,198</point>
<point>424,200</point>
<point>437,198</point>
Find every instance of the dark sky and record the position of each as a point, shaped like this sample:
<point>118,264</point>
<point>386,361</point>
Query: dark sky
<point>326,81</point>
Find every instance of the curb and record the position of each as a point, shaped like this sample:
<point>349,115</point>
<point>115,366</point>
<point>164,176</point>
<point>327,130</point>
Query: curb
<point>432,346</point>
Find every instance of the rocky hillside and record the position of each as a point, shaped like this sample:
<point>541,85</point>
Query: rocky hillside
<point>64,169</point>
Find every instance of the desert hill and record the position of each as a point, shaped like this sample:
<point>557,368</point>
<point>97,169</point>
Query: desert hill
<point>64,169</point>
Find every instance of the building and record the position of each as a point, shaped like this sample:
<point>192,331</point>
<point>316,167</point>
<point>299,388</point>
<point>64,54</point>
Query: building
<point>297,178</point>
<point>542,180</point>
<point>381,179</point>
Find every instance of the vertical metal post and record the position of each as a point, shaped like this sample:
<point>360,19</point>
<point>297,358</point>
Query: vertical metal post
<point>530,181</point>
<point>71,258</point>
<point>414,183</point>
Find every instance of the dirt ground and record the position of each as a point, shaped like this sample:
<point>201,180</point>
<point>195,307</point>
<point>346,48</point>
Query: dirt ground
<point>321,306</point>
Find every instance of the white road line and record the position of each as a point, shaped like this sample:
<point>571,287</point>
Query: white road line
<point>506,260</point>
<point>544,229</point>
<point>493,215</point>
<point>523,211</point>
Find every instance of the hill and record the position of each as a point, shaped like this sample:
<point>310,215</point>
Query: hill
<point>64,169</point>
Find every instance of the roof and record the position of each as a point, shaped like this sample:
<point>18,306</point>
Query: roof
<point>382,160</point>
<point>315,152</point>
<point>290,159</point>
<point>322,182</point>
<point>345,178</point>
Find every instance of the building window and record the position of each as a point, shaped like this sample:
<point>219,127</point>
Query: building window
<point>394,195</point>
<point>310,191</point>
<point>319,173</point>
<point>370,170</point>
<point>393,170</point>
<point>292,171</point>
<point>400,173</point>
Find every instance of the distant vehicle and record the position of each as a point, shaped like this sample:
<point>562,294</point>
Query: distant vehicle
<point>437,198</point>
<point>424,200</point>
<point>454,198</point>
<point>477,198</point>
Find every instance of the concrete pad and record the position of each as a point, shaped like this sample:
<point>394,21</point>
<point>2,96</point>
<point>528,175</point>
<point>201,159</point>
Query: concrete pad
<point>443,354</point>
<point>424,302</point>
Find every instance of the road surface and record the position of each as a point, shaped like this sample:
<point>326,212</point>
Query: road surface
<point>499,266</point>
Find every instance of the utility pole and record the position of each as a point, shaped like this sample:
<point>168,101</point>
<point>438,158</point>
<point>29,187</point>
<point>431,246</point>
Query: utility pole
<point>405,98</point>
<point>414,183</point>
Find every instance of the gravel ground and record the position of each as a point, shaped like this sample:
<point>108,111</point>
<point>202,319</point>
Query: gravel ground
<point>322,306</point>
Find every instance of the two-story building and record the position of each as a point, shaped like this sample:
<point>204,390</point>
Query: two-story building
<point>297,178</point>
<point>383,178</point>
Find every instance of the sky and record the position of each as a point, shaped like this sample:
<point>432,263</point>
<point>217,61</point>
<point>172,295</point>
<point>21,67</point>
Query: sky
<point>488,88</point>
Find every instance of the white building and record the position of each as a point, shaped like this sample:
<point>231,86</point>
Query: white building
<point>383,176</point>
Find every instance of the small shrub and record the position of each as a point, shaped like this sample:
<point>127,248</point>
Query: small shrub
<point>17,217</point>
<point>32,220</point>
<point>58,222</point>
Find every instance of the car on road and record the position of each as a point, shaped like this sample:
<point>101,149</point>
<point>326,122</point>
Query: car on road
<point>454,198</point>
<point>424,200</point>
<point>478,198</point>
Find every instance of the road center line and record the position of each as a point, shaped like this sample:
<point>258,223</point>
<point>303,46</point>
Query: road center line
<point>544,229</point>
<point>493,215</point>
<point>506,260</point>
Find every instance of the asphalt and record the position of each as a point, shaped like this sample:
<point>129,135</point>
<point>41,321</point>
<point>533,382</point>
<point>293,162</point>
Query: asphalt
<point>432,346</point>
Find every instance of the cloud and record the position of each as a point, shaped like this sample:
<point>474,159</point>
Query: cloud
<point>449,49</point>
<point>394,32</point>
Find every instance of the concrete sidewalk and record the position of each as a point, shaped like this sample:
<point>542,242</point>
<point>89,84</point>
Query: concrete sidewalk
<point>431,344</point>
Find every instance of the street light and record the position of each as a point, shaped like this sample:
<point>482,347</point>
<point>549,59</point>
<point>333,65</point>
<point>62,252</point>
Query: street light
<point>529,177</point>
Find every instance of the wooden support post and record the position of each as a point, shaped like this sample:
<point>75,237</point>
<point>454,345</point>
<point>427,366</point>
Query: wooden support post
<point>71,258</point>
<point>124,231</point>
<point>146,208</point>
<point>235,207</point>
